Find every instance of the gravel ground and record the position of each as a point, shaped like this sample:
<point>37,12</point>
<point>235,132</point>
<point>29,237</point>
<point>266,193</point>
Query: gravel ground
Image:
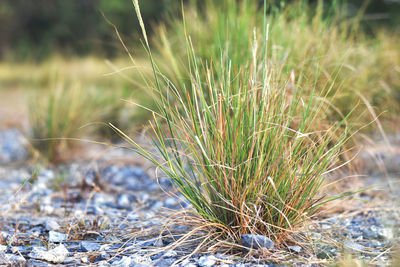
<point>106,212</point>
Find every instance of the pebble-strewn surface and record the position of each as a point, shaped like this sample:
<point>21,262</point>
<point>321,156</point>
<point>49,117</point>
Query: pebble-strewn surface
<point>94,213</point>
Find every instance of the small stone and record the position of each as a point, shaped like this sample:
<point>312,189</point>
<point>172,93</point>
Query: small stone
<point>157,205</point>
<point>11,260</point>
<point>55,255</point>
<point>295,249</point>
<point>165,262</point>
<point>325,226</point>
<point>125,201</point>
<point>185,262</point>
<point>373,244</point>
<point>88,246</point>
<point>38,263</point>
<point>170,253</point>
<point>370,233</point>
<point>171,202</point>
<point>316,236</point>
<point>70,261</point>
<point>373,221</point>
<point>353,247</point>
<point>143,196</point>
<point>104,247</point>
<point>356,234</point>
<point>257,241</point>
<point>103,256</point>
<point>165,182</point>
<point>84,259</point>
<point>21,250</point>
<point>386,233</point>
<point>13,146</point>
<point>47,209</point>
<point>3,248</point>
<point>90,177</point>
<point>52,225</point>
<point>158,243</point>
<point>103,263</point>
<point>326,252</point>
<point>57,237</point>
<point>125,175</point>
<point>137,259</point>
<point>124,261</point>
<point>207,261</point>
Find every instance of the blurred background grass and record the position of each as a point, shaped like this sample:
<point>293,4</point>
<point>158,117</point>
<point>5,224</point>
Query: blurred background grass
<point>51,47</point>
<point>38,29</point>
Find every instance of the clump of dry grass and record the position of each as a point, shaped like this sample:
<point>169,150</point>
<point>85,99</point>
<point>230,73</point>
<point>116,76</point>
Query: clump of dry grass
<point>58,115</point>
<point>239,141</point>
<point>68,103</point>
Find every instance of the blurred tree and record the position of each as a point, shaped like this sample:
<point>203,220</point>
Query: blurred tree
<point>36,28</point>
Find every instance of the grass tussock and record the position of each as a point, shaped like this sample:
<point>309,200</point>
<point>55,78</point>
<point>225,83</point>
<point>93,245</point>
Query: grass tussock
<point>239,141</point>
<point>58,115</point>
<point>71,98</point>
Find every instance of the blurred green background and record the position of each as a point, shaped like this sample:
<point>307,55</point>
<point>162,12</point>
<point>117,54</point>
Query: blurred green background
<point>33,30</point>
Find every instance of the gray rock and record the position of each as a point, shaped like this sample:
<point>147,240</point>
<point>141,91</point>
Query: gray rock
<point>353,246</point>
<point>124,261</point>
<point>21,250</point>
<point>55,255</point>
<point>57,237</point>
<point>369,233</point>
<point>138,260</point>
<point>125,175</point>
<point>158,243</point>
<point>3,248</point>
<point>37,263</point>
<point>326,252</point>
<point>88,246</point>
<point>295,249</point>
<point>103,256</point>
<point>170,253</point>
<point>11,260</point>
<point>47,209</point>
<point>207,261</point>
<point>90,177</point>
<point>70,261</point>
<point>103,263</point>
<point>143,196</point>
<point>257,241</point>
<point>165,262</point>
<point>85,259</point>
<point>125,201</point>
<point>165,182</point>
<point>13,146</point>
<point>386,233</point>
<point>157,205</point>
<point>171,202</point>
<point>52,225</point>
<point>373,244</point>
